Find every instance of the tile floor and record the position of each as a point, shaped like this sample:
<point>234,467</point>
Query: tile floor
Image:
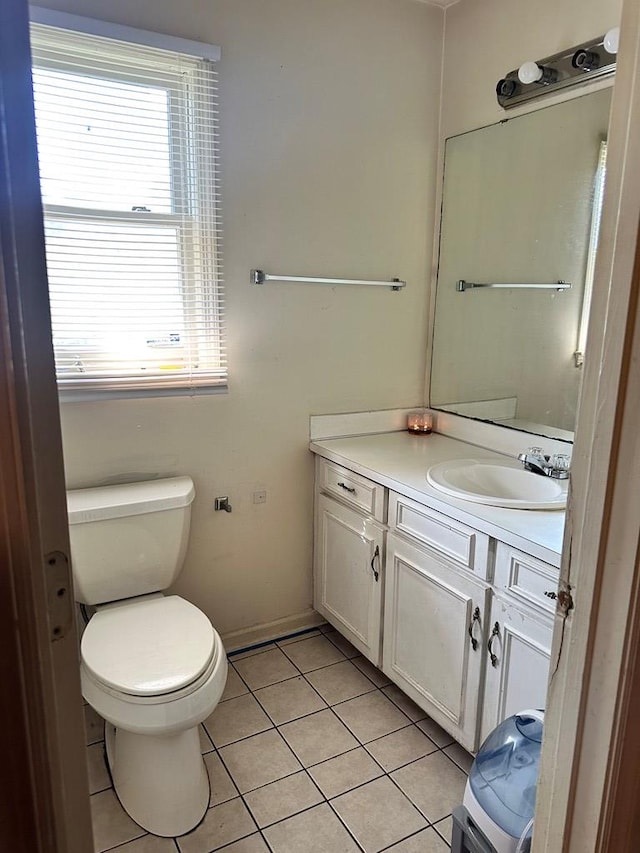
<point>311,750</point>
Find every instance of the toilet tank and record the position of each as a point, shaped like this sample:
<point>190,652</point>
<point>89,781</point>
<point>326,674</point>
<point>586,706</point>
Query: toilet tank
<point>130,539</point>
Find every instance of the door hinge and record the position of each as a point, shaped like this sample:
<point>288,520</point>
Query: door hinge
<point>59,594</point>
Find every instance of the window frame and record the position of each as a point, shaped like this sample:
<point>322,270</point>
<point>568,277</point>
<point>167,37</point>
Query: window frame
<point>193,158</point>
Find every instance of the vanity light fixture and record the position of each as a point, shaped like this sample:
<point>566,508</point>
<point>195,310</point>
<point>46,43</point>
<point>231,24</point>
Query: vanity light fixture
<point>579,64</point>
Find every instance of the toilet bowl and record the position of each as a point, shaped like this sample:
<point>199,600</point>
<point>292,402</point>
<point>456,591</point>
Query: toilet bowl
<point>154,668</point>
<point>152,665</point>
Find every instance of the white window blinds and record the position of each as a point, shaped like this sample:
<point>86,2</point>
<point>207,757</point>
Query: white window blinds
<point>127,142</point>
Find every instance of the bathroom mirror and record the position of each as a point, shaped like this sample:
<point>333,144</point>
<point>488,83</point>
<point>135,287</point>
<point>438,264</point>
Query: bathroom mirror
<point>521,207</point>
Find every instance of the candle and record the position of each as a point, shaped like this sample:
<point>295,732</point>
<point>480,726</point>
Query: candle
<point>420,422</point>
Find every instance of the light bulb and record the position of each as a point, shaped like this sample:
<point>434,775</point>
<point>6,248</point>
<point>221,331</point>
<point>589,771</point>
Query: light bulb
<point>612,40</point>
<point>529,72</point>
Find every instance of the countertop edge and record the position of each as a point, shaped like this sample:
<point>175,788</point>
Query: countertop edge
<point>441,504</point>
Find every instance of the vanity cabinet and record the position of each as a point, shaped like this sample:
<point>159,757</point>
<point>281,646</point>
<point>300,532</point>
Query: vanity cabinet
<point>517,668</point>
<point>460,622</point>
<point>348,558</point>
<point>520,635</point>
<point>433,635</point>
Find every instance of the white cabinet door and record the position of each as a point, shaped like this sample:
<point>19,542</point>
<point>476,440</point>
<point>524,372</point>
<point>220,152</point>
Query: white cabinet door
<point>349,552</point>
<point>428,650</point>
<point>517,674</point>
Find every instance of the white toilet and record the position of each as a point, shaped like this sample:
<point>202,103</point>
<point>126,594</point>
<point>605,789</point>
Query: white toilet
<point>152,665</point>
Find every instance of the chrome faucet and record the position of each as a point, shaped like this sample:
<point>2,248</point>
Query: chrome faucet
<point>534,459</point>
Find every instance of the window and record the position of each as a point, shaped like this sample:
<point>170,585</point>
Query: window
<point>127,142</point>
<point>594,236</point>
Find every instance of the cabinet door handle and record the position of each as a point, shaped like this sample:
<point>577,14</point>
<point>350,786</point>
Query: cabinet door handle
<point>347,488</point>
<point>494,633</point>
<point>551,594</point>
<point>376,555</point>
<point>476,618</point>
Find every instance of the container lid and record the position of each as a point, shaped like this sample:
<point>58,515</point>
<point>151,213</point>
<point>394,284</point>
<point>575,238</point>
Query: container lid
<point>148,646</point>
<point>105,502</point>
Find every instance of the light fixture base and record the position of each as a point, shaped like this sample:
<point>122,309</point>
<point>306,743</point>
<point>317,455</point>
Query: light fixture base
<point>593,61</point>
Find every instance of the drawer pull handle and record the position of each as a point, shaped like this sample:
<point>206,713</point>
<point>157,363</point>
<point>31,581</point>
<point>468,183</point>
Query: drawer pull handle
<point>494,633</point>
<point>347,488</point>
<point>551,594</point>
<point>476,618</point>
<point>376,555</point>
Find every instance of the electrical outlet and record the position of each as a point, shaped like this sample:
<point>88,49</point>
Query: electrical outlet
<point>260,497</point>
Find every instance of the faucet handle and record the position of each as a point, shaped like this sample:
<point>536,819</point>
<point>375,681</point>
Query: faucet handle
<point>560,462</point>
<point>536,452</point>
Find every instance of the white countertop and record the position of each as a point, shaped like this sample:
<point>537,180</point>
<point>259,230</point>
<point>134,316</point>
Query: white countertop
<point>400,461</point>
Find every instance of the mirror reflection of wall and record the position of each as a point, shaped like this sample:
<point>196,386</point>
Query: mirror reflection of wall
<point>518,206</point>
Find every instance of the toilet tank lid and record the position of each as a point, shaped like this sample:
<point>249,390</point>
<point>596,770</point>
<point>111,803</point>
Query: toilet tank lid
<point>103,502</point>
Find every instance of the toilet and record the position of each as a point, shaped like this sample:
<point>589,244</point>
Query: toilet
<point>152,666</point>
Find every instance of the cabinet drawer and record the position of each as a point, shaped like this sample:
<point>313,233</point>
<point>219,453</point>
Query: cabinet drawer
<point>525,579</point>
<point>351,489</point>
<point>464,545</point>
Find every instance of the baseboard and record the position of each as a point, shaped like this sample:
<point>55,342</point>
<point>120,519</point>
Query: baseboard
<point>271,630</point>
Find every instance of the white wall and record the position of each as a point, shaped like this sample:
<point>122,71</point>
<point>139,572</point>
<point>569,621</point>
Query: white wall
<point>329,146</point>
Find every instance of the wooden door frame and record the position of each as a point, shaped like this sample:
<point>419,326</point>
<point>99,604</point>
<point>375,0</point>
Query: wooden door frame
<point>44,807</point>
<point>583,801</point>
<point>584,791</point>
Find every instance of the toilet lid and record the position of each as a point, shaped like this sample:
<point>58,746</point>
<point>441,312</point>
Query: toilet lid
<point>148,646</point>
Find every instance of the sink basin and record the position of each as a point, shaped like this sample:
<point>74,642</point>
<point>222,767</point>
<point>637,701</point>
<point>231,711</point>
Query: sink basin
<point>497,485</point>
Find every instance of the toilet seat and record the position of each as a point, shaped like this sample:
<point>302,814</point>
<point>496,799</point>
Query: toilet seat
<point>160,699</point>
<point>165,714</point>
<point>149,647</point>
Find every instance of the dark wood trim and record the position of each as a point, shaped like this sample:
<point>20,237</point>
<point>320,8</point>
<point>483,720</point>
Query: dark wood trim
<point>24,826</point>
<point>620,820</point>
<point>620,829</point>
<point>44,806</point>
